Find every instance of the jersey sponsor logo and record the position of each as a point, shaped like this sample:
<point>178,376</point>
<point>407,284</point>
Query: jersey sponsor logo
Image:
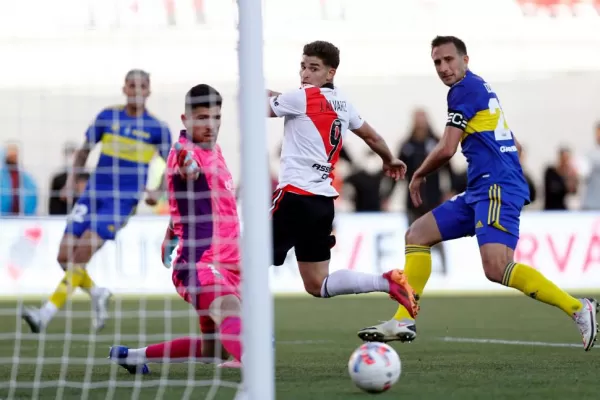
<point>508,149</point>
<point>456,120</point>
<point>323,168</point>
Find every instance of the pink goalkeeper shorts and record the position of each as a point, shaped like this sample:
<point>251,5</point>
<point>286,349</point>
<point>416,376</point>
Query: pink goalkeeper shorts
<point>201,288</point>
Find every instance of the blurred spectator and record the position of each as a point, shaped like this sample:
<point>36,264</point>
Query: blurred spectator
<point>18,191</point>
<point>365,182</point>
<point>57,205</point>
<point>591,199</point>
<point>560,180</point>
<point>532,189</point>
<point>420,142</point>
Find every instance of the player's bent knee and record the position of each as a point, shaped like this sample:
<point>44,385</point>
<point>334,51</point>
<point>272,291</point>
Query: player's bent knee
<point>423,232</point>
<point>313,275</point>
<point>495,257</point>
<point>313,288</point>
<point>223,307</point>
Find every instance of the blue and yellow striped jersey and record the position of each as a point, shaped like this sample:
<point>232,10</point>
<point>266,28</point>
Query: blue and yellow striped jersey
<point>128,145</point>
<point>487,141</point>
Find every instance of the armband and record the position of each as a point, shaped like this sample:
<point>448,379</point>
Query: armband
<point>456,120</point>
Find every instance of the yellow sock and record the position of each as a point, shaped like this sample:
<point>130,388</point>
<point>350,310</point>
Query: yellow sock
<point>87,283</point>
<point>417,271</point>
<point>535,285</point>
<point>67,285</point>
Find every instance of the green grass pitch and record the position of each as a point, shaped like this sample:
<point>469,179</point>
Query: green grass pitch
<point>314,340</point>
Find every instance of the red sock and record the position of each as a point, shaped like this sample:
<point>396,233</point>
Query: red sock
<point>230,330</point>
<point>179,348</point>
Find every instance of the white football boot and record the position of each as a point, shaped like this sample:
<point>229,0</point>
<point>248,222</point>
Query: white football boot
<point>100,308</point>
<point>389,331</point>
<point>587,323</point>
<point>33,318</point>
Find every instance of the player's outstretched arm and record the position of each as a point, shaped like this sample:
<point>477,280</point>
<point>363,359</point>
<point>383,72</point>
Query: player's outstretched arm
<point>81,156</point>
<point>189,167</point>
<point>289,104</point>
<point>442,153</point>
<point>439,156</point>
<point>393,167</point>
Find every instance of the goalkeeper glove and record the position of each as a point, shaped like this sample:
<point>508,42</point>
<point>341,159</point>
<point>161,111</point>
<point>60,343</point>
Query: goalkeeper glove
<point>188,167</point>
<point>169,244</point>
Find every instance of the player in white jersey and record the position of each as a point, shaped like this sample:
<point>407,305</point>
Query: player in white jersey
<point>317,117</point>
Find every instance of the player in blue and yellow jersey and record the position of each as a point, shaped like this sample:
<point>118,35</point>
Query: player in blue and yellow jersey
<point>129,137</point>
<point>489,209</point>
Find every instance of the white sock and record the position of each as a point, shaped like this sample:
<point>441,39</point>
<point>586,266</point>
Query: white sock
<point>47,312</point>
<point>94,291</point>
<point>353,282</point>
<point>136,356</point>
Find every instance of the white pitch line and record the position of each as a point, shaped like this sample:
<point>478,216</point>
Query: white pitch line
<point>508,342</point>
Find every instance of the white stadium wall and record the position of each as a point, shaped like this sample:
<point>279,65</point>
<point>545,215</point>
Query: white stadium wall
<point>59,73</point>
<point>563,246</point>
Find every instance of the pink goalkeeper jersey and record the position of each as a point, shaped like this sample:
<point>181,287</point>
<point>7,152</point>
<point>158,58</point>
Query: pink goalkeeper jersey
<point>207,212</point>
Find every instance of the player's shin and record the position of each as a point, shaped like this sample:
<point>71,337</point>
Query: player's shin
<point>225,311</point>
<point>178,350</point>
<point>88,285</point>
<point>535,285</point>
<point>230,335</point>
<point>71,280</point>
<point>417,270</point>
<point>352,282</point>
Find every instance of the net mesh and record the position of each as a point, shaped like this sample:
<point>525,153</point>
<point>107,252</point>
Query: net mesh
<point>69,359</point>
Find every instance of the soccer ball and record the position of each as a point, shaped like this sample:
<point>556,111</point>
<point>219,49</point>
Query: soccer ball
<point>374,367</point>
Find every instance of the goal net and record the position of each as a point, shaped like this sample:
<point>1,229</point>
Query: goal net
<point>81,58</point>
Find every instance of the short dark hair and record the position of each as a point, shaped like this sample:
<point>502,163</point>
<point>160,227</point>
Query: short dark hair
<point>202,95</point>
<point>325,51</point>
<point>137,73</point>
<point>461,47</point>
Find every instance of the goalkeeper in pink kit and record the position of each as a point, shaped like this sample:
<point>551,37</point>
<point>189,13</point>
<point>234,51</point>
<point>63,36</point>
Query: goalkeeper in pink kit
<point>205,229</point>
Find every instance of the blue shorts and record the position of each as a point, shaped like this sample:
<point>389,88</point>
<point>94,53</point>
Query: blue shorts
<point>103,216</point>
<point>493,220</point>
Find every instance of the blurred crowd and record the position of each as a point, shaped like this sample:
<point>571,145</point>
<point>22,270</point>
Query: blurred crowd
<point>172,10</point>
<point>568,183</point>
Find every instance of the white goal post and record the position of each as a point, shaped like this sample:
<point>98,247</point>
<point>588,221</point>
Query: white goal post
<point>257,302</point>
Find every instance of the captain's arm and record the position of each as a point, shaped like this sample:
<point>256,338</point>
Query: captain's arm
<point>442,152</point>
<point>460,110</point>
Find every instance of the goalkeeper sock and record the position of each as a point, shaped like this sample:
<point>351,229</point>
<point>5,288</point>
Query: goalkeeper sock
<point>230,330</point>
<point>417,270</point>
<point>178,350</point>
<point>68,284</point>
<point>353,282</point>
<point>535,285</point>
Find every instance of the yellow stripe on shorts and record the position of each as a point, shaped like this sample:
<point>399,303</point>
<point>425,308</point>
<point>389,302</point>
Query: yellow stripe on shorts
<point>495,203</point>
